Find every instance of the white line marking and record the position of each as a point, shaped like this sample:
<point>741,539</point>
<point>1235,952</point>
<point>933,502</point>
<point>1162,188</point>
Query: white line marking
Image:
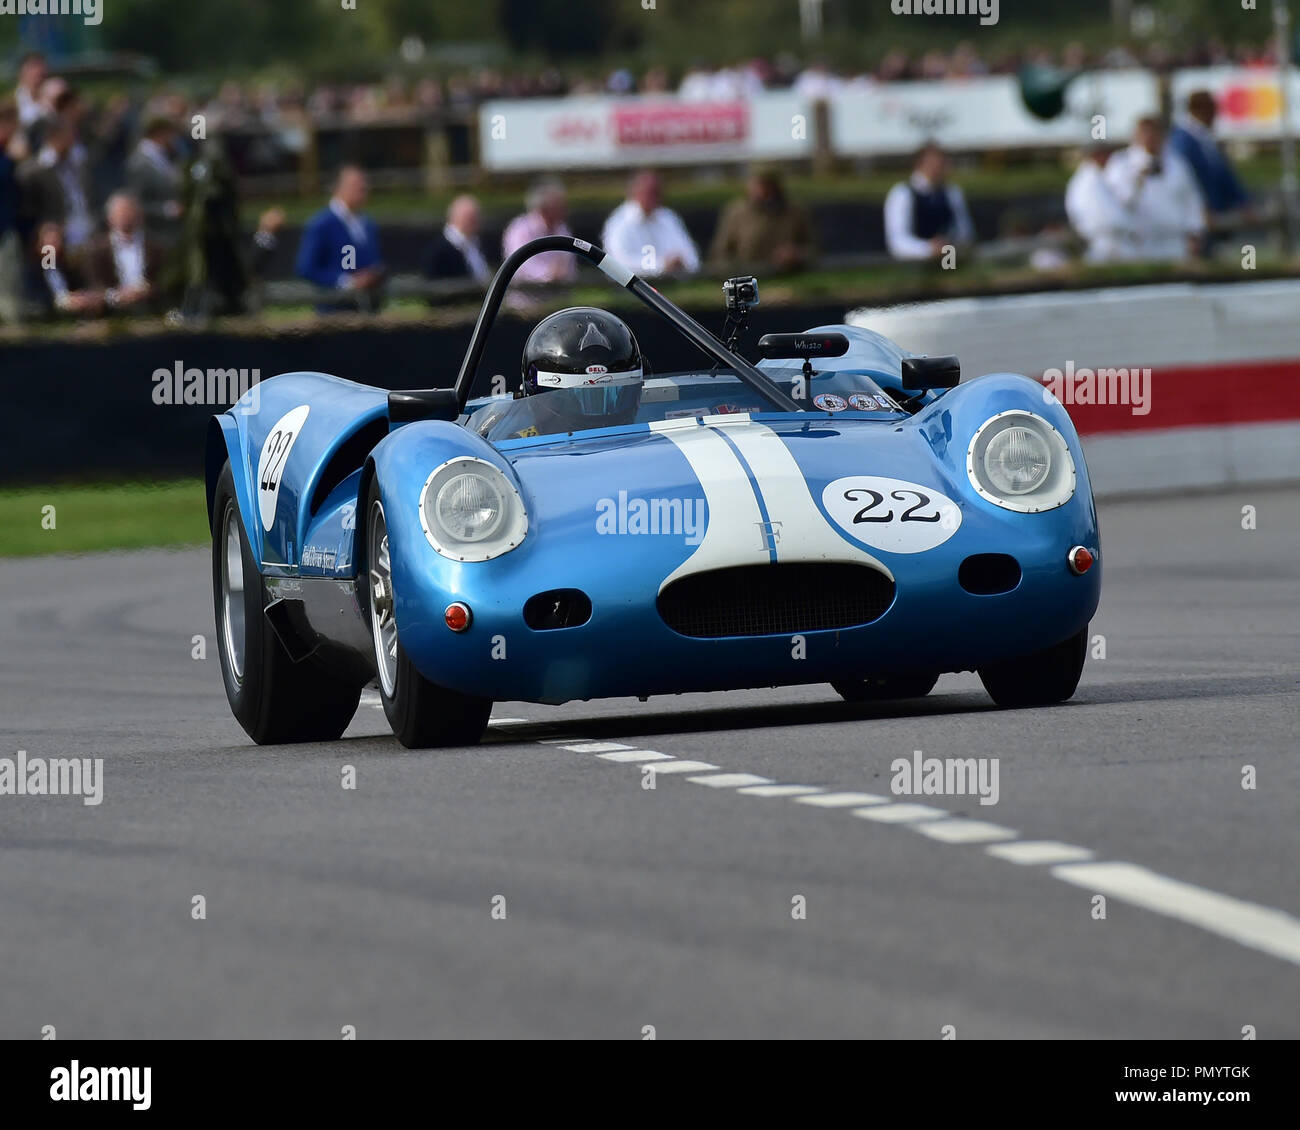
<point>729,780</point>
<point>841,800</point>
<point>558,741</point>
<point>632,755</point>
<point>900,813</point>
<point>598,747</point>
<point>680,767</point>
<point>1030,852</point>
<point>505,721</point>
<point>1258,927</point>
<point>959,831</point>
<point>779,790</point>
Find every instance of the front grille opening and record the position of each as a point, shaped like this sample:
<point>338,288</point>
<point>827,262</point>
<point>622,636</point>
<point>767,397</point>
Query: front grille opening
<point>986,574</point>
<point>775,600</point>
<point>559,608</point>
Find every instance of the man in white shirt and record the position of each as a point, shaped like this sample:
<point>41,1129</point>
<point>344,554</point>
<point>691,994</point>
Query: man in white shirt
<point>122,260</point>
<point>1159,196</point>
<point>925,213</point>
<point>1093,211</point>
<point>647,237</point>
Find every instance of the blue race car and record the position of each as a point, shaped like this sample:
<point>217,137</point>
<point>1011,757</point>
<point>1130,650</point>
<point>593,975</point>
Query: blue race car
<point>839,511</point>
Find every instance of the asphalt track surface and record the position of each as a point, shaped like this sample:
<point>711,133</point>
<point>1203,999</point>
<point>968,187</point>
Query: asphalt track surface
<point>627,907</point>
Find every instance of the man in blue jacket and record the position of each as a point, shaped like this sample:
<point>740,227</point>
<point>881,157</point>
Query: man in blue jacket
<point>1194,141</point>
<point>340,248</point>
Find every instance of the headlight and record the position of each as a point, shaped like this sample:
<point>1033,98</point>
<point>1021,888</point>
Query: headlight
<point>1020,462</point>
<point>470,511</point>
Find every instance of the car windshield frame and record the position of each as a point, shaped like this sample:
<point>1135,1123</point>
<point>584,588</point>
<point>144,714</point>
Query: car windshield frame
<point>448,404</point>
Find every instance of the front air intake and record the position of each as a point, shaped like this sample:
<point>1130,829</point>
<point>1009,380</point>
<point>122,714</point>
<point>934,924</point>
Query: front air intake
<point>775,600</point>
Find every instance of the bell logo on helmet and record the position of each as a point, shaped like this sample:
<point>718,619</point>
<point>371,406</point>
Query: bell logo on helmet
<point>593,369</point>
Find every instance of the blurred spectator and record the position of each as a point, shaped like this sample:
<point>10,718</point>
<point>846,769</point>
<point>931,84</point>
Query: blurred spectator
<point>266,240</point>
<point>817,81</point>
<point>32,72</point>
<point>1157,190</point>
<point>340,245</point>
<point>548,207</point>
<point>154,178</point>
<point>1193,140</point>
<point>11,247</point>
<point>123,260</point>
<point>925,212</point>
<point>1094,213</point>
<point>646,236</point>
<point>764,229</point>
<point>55,185</point>
<point>65,284</point>
<point>456,254</point>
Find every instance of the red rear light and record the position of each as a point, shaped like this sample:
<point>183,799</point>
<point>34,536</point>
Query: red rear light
<point>1080,560</point>
<point>458,616</point>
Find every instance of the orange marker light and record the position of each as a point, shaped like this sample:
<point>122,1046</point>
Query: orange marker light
<point>1080,560</point>
<point>458,616</point>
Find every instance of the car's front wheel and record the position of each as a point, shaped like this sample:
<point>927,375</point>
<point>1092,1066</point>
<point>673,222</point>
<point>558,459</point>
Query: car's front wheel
<point>422,714</point>
<point>886,688</point>
<point>1040,679</point>
<point>276,700</point>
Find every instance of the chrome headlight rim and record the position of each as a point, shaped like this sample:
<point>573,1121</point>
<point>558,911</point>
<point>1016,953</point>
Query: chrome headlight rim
<point>1053,493</point>
<point>510,532</point>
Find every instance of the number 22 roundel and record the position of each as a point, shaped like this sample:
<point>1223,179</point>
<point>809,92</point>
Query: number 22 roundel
<point>890,514</point>
<point>275,454</point>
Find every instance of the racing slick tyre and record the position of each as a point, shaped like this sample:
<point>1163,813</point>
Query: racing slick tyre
<point>1047,676</point>
<point>887,688</point>
<point>422,714</point>
<point>276,700</point>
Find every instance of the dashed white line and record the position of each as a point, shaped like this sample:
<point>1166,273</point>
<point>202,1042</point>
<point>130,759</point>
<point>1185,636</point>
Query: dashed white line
<point>1262,928</point>
<point>633,755</point>
<point>779,790</point>
<point>900,813</point>
<point>1259,927</point>
<point>1039,852</point>
<point>958,831</point>
<point>842,800</point>
<point>729,780</point>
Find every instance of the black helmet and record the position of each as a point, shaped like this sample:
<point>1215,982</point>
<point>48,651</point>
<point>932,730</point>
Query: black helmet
<point>588,361</point>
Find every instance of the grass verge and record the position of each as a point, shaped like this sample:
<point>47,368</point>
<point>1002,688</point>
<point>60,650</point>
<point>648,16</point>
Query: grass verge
<point>93,518</point>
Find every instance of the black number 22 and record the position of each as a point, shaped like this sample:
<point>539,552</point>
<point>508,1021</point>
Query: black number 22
<point>908,515</point>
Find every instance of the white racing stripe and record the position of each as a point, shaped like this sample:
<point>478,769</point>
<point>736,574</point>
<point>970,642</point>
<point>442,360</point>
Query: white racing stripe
<point>734,532</point>
<point>737,532</point>
<point>804,533</point>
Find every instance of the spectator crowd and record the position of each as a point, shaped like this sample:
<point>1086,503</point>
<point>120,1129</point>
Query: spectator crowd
<point>108,208</point>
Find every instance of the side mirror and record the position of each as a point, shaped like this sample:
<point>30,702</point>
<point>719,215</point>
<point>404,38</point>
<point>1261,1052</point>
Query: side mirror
<point>931,372</point>
<point>797,347</point>
<point>423,404</point>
